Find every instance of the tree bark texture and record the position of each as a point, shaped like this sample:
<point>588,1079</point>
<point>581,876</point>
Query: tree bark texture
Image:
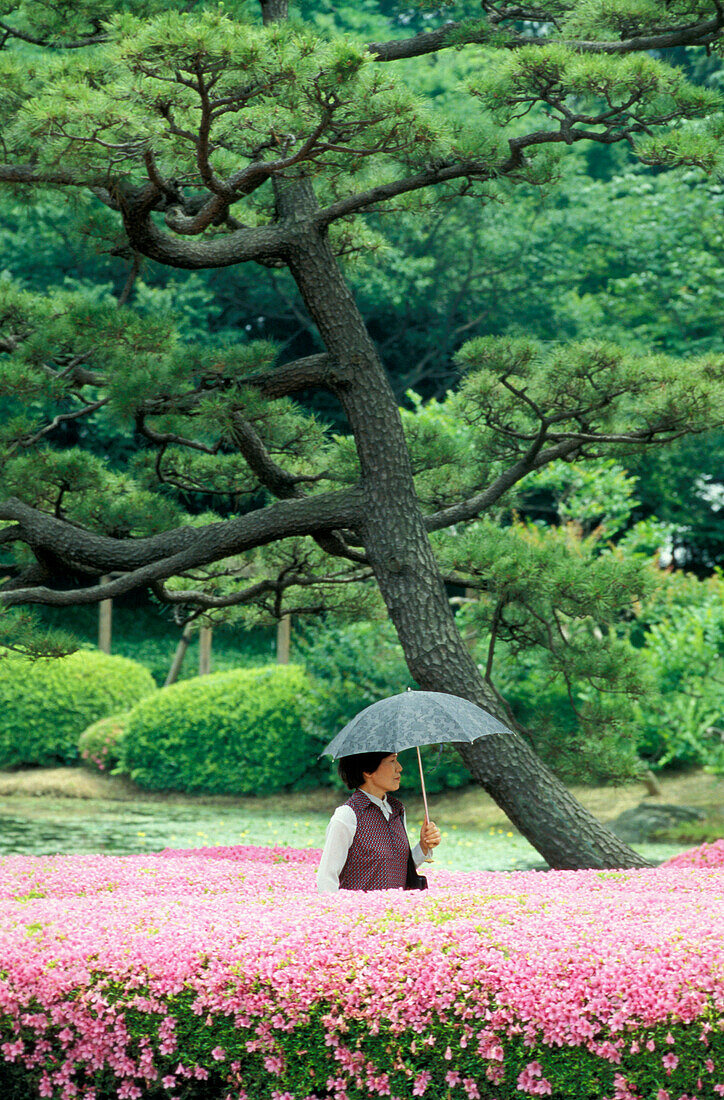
<point>273,11</point>
<point>393,532</point>
<point>143,561</point>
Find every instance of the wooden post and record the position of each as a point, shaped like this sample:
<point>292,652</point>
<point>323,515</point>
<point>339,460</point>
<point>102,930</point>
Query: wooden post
<point>105,617</point>
<point>651,783</point>
<point>471,635</point>
<point>205,650</point>
<point>178,657</point>
<point>284,638</point>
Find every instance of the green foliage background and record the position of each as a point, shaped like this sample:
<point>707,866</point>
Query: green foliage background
<point>145,633</point>
<point>351,666</point>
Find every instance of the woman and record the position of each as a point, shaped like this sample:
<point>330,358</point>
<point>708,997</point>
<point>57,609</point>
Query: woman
<point>366,846</point>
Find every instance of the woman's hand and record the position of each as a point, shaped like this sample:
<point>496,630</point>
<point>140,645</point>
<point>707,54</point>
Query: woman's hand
<point>429,837</point>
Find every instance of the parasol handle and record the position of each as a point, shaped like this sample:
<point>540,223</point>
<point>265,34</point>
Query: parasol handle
<point>424,794</point>
<point>422,784</point>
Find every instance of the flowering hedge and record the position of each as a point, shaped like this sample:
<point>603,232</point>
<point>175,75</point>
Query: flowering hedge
<point>709,854</point>
<point>189,975</point>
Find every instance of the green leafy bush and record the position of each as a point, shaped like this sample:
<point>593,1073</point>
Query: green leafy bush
<point>584,735</point>
<point>681,719</point>
<point>352,666</point>
<point>240,732</point>
<point>46,704</point>
<point>99,744</point>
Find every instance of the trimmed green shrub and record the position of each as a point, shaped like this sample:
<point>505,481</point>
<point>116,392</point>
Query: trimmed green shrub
<point>98,745</point>
<point>46,704</point>
<point>239,732</point>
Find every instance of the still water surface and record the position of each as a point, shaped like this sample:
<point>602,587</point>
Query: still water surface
<point>43,826</point>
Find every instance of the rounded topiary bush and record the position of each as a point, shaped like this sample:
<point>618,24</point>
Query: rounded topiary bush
<point>238,732</point>
<point>98,745</point>
<point>45,704</point>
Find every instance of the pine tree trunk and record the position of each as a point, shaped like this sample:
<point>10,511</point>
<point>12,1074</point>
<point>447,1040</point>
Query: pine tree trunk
<point>396,541</point>
<point>273,11</point>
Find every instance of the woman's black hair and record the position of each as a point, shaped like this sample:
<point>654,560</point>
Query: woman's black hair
<point>351,768</point>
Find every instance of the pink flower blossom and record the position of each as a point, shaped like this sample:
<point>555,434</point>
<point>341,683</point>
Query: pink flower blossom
<point>421,1082</point>
<point>623,1090</point>
<point>669,1062</point>
<point>531,1080</point>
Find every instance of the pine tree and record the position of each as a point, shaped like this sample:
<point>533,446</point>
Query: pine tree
<point>211,136</point>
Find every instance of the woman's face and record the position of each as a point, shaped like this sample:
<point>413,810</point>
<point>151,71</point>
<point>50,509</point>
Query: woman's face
<point>386,776</point>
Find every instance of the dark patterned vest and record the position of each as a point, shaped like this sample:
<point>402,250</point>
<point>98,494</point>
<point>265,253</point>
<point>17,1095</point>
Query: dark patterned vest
<point>377,858</point>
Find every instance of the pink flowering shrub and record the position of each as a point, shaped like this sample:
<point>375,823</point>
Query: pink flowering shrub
<point>705,855</point>
<point>191,975</point>
<point>279,854</point>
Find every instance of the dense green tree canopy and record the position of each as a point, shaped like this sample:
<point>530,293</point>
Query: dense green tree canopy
<point>608,251</point>
<point>208,137</point>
